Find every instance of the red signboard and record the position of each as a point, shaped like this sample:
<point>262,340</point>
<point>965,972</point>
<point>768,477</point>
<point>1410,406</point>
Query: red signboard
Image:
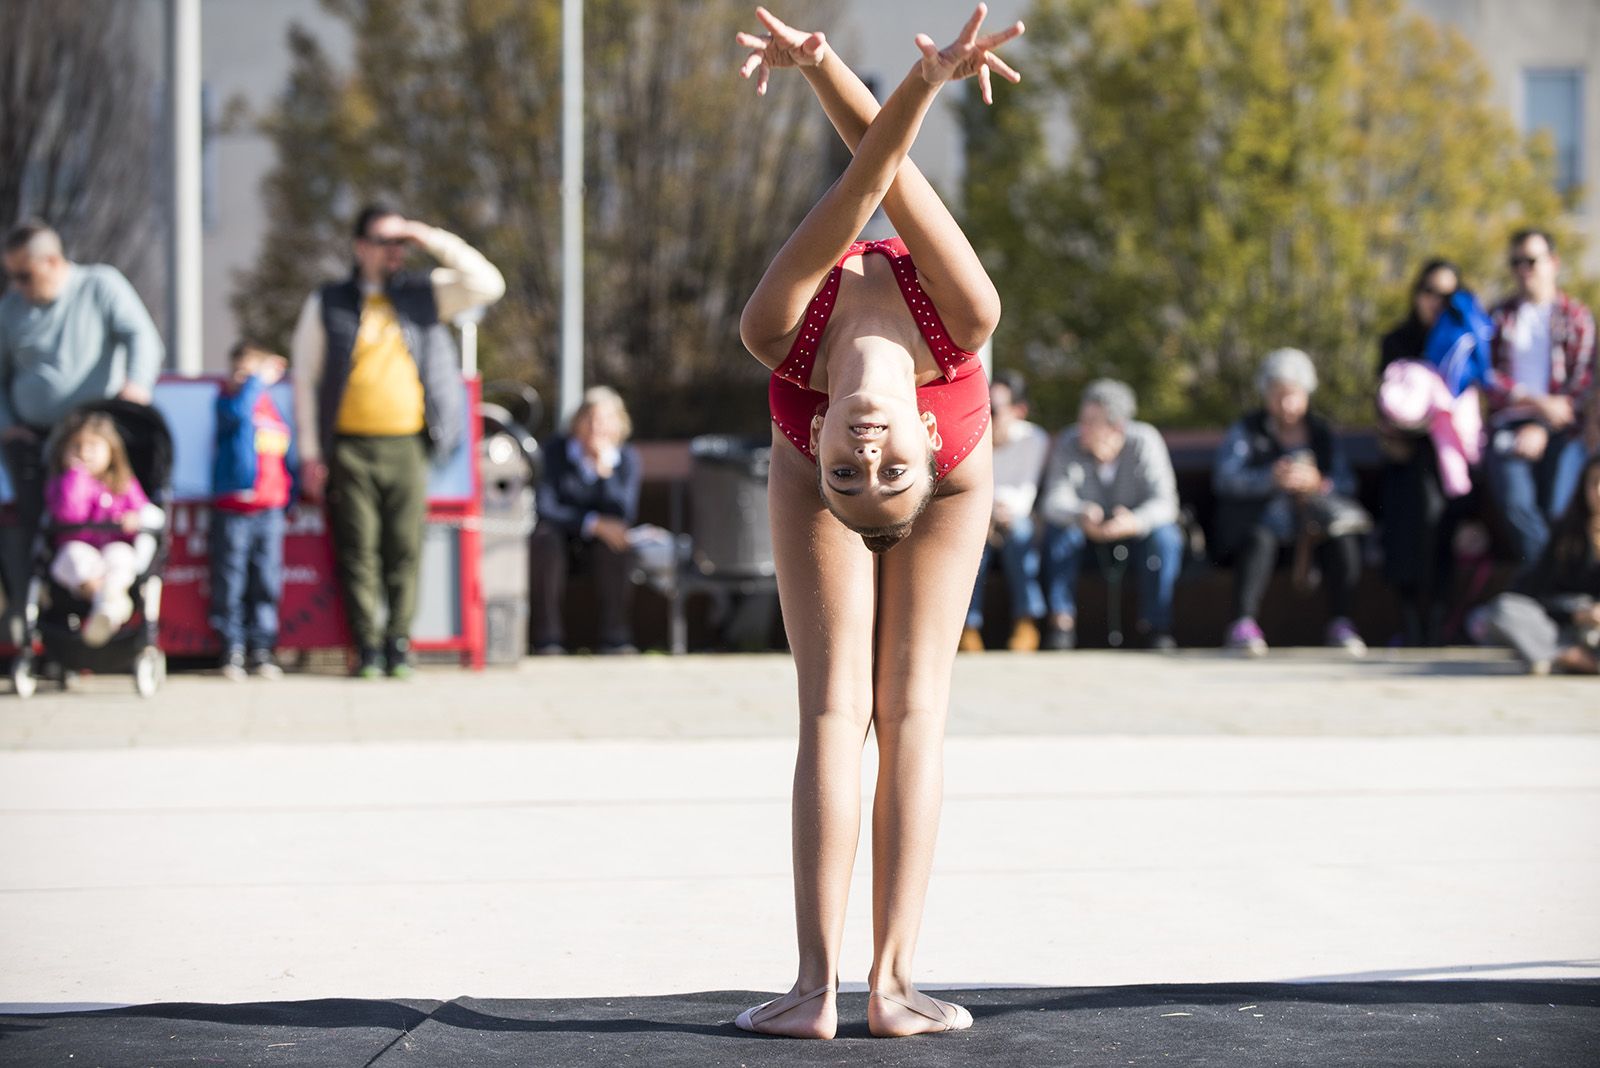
<point>311,614</point>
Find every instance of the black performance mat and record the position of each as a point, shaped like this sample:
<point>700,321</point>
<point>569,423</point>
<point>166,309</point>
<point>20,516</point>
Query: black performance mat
<point>1528,1024</point>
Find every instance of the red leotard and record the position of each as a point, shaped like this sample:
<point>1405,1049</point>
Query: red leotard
<point>960,402</point>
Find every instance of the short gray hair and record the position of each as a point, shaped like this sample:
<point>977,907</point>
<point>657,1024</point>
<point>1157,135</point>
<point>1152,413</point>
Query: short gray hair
<point>1289,366</point>
<point>1114,398</point>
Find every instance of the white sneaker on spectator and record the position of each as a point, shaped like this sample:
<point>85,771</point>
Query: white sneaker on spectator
<point>1342,634</point>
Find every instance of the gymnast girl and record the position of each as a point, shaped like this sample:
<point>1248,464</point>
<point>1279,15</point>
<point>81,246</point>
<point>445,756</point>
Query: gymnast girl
<point>880,492</point>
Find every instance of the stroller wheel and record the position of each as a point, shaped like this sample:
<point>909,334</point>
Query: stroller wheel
<point>23,680</point>
<point>149,669</point>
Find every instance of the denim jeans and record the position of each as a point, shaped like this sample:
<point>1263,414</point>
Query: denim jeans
<point>1156,558</point>
<point>1019,562</point>
<point>1531,494</point>
<point>246,577</point>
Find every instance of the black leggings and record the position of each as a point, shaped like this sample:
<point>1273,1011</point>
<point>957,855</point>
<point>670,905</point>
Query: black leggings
<point>1257,557</point>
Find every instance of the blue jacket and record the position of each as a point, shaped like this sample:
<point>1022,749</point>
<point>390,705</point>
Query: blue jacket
<point>1459,345</point>
<point>566,498</point>
<point>233,467</point>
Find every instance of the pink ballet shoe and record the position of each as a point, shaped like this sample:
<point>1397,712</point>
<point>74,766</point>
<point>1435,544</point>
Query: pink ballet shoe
<point>952,1017</point>
<point>755,1019</point>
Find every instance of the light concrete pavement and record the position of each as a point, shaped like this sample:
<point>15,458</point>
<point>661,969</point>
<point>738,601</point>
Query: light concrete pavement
<point>592,828</point>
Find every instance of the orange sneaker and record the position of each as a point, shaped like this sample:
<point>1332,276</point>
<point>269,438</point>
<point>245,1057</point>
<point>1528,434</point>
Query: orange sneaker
<point>971,640</point>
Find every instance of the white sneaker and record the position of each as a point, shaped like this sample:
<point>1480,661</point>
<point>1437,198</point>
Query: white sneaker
<point>99,627</point>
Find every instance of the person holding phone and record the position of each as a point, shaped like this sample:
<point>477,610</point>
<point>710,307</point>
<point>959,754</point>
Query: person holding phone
<point>1282,478</point>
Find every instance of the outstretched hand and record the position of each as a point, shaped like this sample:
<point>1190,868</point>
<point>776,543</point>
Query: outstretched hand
<point>781,46</point>
<point>969,55</point>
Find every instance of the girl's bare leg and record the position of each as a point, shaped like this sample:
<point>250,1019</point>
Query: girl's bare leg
<point>826,585</point>
<point>924,584</point>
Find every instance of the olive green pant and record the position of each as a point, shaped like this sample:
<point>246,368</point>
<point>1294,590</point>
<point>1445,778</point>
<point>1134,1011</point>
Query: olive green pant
<point>377,502</point>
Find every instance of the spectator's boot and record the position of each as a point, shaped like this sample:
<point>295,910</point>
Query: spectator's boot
<point>971,640</point>
<point>1061,635</point>
<point>397,658</point>
<point>1024,637</point>
<point>369,663</point>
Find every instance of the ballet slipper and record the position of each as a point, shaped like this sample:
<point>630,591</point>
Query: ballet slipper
<point>754,1019</point>
<point>951,1017</point>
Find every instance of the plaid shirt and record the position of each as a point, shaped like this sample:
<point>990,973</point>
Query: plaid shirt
<point>1571,351</point>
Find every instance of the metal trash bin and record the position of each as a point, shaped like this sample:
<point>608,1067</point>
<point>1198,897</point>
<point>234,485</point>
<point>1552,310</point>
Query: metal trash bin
<point>508,463</point>
<point>728,506</point>
<point>731,556</point>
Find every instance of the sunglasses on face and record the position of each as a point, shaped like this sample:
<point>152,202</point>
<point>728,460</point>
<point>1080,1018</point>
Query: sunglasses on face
<point>1522,263</point>
<point>386,242</point>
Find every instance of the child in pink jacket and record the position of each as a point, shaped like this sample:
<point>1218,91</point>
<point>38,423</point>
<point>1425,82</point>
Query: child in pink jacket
<point>92,482</point>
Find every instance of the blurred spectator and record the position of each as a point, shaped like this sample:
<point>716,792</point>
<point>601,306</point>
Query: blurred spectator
<point>377,390</point>
<point>1544,368</point>
<point>1020,449</point>
<point>1552,619</point>
<point>588,499</point>
<point>1282,479</point>
<point>250,486</point>
<point>1419,518</point>
<point>1110,482</point>
<point>70,334</point>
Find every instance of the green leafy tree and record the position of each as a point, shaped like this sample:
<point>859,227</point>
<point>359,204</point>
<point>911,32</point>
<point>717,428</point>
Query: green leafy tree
<point>452,110</point>
<point>1180,186</point>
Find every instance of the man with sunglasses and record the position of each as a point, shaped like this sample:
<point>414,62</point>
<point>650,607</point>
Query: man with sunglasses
<point>1542,417</point>
<point>70,334</point>
<point>377,394</point>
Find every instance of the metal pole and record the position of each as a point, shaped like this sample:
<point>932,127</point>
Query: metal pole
<point>469,346</point>
<point>183,215</point>
<point>571,206</point>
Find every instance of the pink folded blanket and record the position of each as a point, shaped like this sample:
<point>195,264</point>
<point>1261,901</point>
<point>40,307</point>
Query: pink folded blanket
<point>1413,396</point>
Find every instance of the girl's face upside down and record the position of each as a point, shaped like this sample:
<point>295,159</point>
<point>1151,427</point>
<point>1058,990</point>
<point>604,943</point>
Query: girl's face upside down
<point>874,459</point>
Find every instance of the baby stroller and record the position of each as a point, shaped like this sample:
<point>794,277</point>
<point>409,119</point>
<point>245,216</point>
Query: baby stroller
<point>55,616</point>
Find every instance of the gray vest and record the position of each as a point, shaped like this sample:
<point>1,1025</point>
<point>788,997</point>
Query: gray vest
<point>427,339</point>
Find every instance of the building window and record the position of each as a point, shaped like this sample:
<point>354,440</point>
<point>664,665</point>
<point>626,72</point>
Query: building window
<point>1554,102</point>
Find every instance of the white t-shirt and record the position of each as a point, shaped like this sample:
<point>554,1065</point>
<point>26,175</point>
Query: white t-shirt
<point>1530,348</point>
<point>1018,464</point>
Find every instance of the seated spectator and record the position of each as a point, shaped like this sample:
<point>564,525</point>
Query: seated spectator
<point>588,497</point>
<point>1020,448</point>
<point>1109,485</point>
<point>1282,479</point>
<point>1419,518</point>
<point>1543,368</point>
<point>1552,618</point>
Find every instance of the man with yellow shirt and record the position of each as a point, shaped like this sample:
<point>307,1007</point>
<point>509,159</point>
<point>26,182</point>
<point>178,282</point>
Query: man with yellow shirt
<point>377,392</point>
